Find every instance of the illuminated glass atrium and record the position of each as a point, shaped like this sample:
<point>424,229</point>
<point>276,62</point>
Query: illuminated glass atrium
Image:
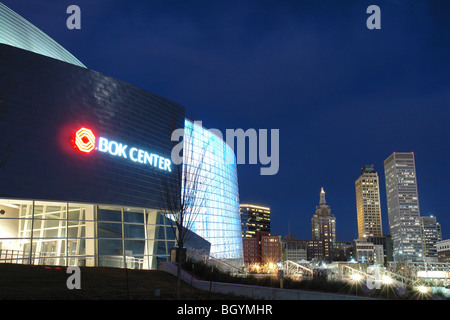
<point>218,219</point>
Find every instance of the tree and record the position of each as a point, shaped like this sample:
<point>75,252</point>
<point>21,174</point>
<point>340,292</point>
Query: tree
<point>184,190</point>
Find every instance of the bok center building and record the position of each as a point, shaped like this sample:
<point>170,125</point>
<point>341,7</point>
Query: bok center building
<point>82,160</point>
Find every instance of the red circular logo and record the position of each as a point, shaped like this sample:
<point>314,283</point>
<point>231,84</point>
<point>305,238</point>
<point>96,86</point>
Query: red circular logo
<point>84,140</point>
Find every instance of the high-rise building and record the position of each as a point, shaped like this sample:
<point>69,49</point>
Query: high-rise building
<point>443,250</point>
<point>251,251</point>
<point>389,248</point>
<point>431,234</point>
<point>294,250</point>
<point>270,249</point>
<point>262,249</point>
<point>363,251</point>
<point>403,206</point>
<point>254,218</point>
<point>368,204</point>
<point>383,243</point>
<point>343,250</point>
<point>315,250</point>
<point>323,225</point>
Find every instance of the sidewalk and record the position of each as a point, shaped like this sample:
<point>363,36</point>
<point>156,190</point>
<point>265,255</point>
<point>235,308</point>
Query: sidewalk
<point>254,292</point>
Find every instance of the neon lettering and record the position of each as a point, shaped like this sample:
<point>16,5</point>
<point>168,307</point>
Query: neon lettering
<point>84,140</point>
<point>122,152</point>
<point>147,158</point>
<point>132,151</point>
<point>102,144</point>
<point>141,156</point>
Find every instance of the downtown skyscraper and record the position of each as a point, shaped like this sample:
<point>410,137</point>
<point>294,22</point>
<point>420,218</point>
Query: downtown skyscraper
<point>403,206</point>
<point>323,230</point>
<point>431,234</point>
<point>254,218</point>
<point>368,204</point>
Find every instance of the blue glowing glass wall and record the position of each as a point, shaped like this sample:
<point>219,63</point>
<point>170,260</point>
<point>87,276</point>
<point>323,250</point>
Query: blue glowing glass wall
<point>218,219</point>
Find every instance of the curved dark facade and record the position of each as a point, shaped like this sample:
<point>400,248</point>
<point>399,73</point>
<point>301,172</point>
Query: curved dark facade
<point>62,206</point>
<point>83,158</point>
<point>44,101</point>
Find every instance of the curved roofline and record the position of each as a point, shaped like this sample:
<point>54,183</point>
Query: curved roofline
<point>195,123</point>
<point>206,129</point>
<point>18,32</point>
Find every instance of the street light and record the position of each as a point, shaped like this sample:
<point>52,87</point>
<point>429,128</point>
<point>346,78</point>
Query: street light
<point>356,277</point>
<point>422,289</point>
<point>386,280</point>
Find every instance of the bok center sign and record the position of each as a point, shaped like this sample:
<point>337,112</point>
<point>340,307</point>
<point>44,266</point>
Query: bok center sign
<point>85,141</point>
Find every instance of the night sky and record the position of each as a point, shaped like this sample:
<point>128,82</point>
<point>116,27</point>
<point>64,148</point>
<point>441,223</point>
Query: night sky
<point>341,95</point>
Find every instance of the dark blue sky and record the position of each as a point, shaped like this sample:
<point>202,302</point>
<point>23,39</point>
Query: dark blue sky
<point>341,95</point>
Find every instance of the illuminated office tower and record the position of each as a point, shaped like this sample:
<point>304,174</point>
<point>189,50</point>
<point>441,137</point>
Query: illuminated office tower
<point>431,234</point>
<point>368,204</point>
<point>324,229</point>
<point>254,218</point>
<point>403,206</point>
